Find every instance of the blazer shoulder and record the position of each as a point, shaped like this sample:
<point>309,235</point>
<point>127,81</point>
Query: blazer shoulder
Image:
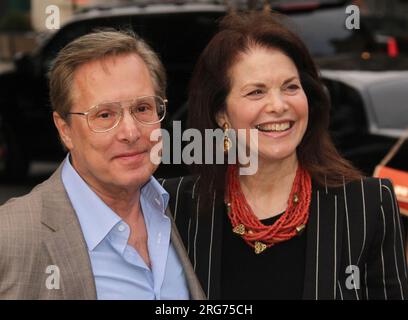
<point>374,188</point>
<point>28,203</point>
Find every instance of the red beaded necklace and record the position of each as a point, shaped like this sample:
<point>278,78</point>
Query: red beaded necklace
<point>247,225</point>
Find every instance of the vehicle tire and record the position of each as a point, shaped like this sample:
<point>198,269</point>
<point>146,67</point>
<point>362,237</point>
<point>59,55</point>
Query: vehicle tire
<point>13,162</point>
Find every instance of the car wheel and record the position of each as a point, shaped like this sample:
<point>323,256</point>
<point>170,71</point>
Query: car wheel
<point>13,163</point>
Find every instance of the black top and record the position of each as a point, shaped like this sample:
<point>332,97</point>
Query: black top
<point>276,273</point>
<point>354,224</point>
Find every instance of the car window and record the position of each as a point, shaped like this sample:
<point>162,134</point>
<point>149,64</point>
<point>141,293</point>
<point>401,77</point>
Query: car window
<point>325,33</point>
<point>390,102</point>
<point>174,36</point>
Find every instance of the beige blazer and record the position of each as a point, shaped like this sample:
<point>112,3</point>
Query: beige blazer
<point>43,253</point>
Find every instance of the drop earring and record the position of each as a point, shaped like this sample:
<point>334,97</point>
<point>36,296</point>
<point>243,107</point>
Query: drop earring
<point>227,141</point>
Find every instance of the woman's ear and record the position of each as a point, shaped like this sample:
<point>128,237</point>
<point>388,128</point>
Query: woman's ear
<point>221,118</point>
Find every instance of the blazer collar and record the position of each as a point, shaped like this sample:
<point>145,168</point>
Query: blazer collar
<point>67,247</point>
<point>324,239</point>
<point>65,242</point>
<point>194,286</point>
<point>323,247</point>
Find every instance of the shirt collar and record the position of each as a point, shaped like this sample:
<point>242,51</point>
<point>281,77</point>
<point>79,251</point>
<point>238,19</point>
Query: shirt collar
<point>95,217</point>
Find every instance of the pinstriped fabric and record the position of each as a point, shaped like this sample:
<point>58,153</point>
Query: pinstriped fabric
<point>396,214</point>
<point>189,232</point>
<point>364,221</point>
<point>196,232</point>
<point>194,187</point>
<point>162,182</point>
<point>364,232</point>
<point>211,246</point>
<point>177,196</point>
<point>348,234</point>
<point>340,290</point>
<point>365,281</point>
<point>382,253</point>
<point>394,238</point>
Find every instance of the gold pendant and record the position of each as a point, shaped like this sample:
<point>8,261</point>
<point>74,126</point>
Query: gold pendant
<point>295,199</point>
<point>227,144</point>
<point>259,247</point>
<point>299,229</point>
<point>239,229</point>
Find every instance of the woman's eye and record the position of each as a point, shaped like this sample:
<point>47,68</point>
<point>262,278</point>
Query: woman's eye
<point>256,92</point>
<point>293,87</point>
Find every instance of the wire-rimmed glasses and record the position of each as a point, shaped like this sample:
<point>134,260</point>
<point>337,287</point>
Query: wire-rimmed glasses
<point>107,115</point>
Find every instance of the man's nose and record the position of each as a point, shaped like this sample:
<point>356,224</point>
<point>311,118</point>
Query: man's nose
<point>129,128</point>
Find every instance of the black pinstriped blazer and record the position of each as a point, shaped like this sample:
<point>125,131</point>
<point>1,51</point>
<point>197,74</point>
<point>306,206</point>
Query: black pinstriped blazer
<point>357,224</point>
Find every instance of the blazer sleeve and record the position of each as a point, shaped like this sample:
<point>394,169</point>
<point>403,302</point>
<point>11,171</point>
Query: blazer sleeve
<point>387,268</point>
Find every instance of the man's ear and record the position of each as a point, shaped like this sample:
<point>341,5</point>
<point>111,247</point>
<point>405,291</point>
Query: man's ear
<point>64,130</point>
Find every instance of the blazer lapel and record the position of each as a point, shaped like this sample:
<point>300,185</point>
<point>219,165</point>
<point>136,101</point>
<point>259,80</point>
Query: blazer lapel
<point>205,238</point>
<point>215,220</point>
<point>324,239</point>
<point>65,244</point>
<point>196,291</point>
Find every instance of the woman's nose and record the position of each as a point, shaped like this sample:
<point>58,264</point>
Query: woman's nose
<point>275,102</point>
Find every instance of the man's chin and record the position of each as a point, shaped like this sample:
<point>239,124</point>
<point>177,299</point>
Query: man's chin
<point>136,177</point>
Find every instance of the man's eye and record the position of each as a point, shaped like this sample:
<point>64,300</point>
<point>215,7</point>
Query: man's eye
<point>143,108</point>
<point>105,115</point>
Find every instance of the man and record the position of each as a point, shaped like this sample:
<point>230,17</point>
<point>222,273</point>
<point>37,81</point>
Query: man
<point>97,227</point>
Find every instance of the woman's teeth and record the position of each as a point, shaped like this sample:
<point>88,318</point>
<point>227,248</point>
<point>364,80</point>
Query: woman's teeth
<point>274,127</point>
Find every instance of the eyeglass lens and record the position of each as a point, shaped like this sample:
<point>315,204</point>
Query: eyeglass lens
<point>145,109</point>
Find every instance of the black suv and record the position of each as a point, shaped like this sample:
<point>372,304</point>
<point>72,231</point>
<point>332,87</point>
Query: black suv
<point>178,32</point>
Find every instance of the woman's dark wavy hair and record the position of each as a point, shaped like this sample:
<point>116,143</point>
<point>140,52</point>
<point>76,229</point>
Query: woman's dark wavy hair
<point>210,85</point>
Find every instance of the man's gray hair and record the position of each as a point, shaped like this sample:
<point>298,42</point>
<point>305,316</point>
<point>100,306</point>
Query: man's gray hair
<point>94,46</point>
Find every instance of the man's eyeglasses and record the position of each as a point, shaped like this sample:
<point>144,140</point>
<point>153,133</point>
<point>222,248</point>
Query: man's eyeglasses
<point>107,115</point>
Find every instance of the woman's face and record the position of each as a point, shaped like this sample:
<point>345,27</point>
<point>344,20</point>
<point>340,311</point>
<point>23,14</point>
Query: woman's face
<point>266,95</point>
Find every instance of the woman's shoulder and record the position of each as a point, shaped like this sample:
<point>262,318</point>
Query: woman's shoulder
<point>371,185</point>
<point>367,192</point>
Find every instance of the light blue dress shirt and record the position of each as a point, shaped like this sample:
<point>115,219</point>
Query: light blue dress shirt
<point>119,270</point>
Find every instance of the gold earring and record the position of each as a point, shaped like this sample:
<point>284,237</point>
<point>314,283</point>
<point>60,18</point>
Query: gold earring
<point>227,141</point>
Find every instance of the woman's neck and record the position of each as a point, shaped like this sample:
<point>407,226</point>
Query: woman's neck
<point>268,190</point>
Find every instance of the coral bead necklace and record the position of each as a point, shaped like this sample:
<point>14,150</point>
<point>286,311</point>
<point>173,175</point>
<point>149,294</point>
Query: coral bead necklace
<point>248,226</point>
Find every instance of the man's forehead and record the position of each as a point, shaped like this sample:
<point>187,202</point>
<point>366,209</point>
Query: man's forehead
<point>95,79</point>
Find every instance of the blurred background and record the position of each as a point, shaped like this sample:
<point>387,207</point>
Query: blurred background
<point>364,67</point>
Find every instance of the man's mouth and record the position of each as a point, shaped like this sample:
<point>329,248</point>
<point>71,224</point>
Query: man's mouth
<point>130,155</point>
<point>275,126</point>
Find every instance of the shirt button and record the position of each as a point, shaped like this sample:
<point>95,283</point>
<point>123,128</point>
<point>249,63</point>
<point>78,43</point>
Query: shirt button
<point>121,228</point>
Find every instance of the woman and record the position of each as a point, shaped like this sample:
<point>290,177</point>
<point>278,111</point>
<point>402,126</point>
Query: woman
<point>306,224</point>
